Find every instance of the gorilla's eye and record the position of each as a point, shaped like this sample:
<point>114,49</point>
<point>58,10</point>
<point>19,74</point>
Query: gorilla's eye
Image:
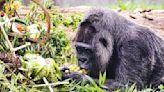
<point>87,50</point>
<point>78,49</point>
<point>83,49</point>
<point>103,41</point>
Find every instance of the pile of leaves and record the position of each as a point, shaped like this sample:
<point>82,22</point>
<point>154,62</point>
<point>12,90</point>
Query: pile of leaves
<point>39,61</point>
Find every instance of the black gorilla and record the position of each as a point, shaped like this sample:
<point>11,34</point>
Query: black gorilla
<point>129,53</point>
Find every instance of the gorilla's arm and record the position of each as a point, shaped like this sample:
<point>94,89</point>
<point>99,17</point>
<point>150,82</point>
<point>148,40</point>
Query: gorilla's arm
<point>134,62</point>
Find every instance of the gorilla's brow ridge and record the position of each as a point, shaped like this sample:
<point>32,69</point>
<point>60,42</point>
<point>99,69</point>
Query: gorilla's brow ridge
<point>81,44</point>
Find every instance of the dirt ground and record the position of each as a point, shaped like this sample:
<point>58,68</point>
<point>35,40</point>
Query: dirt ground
<point>153,19</point>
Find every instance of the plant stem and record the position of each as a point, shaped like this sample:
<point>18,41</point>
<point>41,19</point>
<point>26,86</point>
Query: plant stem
<point>46,82</point>
<point>7,38</point>
<point>1,24</point>
<point>50,84</point>
<point>4,33</point>
<point>21,47</point>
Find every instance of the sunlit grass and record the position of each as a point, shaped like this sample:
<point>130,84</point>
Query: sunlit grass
<point>140,5</point>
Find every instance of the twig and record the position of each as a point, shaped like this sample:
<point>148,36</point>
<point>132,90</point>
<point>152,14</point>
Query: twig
<point>4,33</point>
<point>9,43</point>
<point>50,84</point>
<point>143,11</point>
<point>32,19</point>
<point>21,47</point>
<point>47,18</point>
<point>132,16</point>
<point>12,49</point>
<point>21,36</point>
<point>7,38</point>
<point>8,21</point>
<point>146,17</point>
<point>17,13</point>
<point>46,82</point>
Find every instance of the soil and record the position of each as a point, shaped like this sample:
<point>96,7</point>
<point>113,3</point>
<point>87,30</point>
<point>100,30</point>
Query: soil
<point>153,19</point>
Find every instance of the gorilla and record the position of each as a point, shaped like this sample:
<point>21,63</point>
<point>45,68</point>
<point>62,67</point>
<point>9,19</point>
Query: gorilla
<point>127,52</point>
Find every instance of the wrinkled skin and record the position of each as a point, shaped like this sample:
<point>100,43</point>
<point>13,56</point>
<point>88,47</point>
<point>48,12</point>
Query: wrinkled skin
<point>129,53</point>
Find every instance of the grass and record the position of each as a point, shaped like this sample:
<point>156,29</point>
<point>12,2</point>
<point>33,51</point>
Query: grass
<point>136,5</point>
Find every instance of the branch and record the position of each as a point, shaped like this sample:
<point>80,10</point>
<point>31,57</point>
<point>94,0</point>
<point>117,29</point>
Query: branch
<point>7,38</point>
<point>21,47</point>
<point>46,82</point>
<point>1,24</point>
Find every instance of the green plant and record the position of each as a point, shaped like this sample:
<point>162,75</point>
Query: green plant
<point>132,5</point>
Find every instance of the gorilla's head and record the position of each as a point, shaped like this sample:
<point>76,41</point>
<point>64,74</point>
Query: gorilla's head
<point>93,45</point>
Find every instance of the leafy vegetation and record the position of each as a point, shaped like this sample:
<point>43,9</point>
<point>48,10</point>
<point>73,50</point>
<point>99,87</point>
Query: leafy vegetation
<point>40,61</point>
<point>132,5</point>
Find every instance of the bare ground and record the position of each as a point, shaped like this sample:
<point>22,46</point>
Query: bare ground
<point>153,19</point>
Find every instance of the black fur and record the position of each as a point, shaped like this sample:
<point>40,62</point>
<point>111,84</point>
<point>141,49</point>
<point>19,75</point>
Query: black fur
<point>128,52</point>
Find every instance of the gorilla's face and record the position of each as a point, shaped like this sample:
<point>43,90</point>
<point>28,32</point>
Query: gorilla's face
<point>94,47</point>
<point>85,50</point>
<point>84,54</point>
<point>86,58</point>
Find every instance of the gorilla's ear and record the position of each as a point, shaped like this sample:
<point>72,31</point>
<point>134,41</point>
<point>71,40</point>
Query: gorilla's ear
<point>103,42</point>
<point>103,39</point>
<point>103,46</point>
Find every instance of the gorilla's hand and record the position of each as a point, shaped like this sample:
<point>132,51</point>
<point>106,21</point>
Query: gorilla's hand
<point>74,76</point>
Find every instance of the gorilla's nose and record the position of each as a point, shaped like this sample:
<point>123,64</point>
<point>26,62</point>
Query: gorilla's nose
<point>82,60</point>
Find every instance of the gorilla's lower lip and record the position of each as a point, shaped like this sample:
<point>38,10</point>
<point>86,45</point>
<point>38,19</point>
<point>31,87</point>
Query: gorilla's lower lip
<point>84,69</point>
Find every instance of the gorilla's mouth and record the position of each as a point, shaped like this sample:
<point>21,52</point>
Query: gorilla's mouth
<point>84,70</point>
<point>72,68</point>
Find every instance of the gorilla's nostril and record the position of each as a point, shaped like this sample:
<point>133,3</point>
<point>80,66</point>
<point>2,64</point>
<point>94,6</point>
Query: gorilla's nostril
<point>82,60</point>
